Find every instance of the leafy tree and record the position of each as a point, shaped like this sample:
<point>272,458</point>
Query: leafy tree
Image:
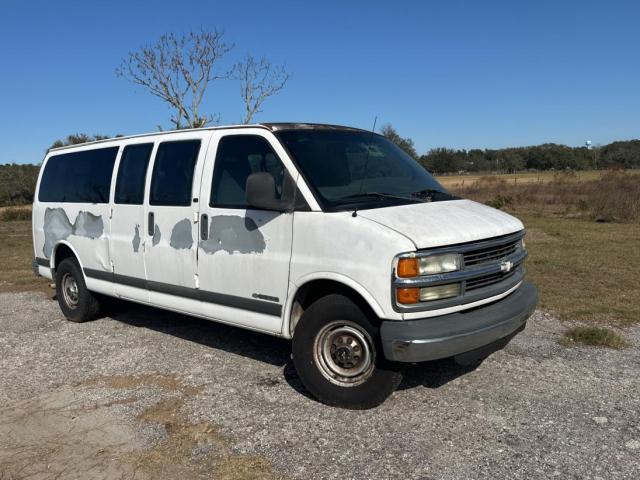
<point>17,183</point>
<point>405,144</point>
<point>78,138</point>
<point>548,156</point>
<point>619,154</point>
<point>443,160</point>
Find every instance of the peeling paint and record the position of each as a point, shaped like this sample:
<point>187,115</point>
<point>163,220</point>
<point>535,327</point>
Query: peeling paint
<point>233,234</point>
<point>181,235</point>
<point>155,240</point>
<point>136,238</point>
<point>88,225</point>
<point>58,227</point>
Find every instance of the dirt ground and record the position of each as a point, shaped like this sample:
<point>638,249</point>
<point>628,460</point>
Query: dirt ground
<point>146,394</point>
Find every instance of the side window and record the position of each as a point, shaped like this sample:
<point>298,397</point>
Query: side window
<point>78,177</point>
<point>238,157</point>
<point>172,179</point>
<point>131,174</point>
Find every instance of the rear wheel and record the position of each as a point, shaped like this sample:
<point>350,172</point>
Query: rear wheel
<point>337,356</point>
<point>76,302</point>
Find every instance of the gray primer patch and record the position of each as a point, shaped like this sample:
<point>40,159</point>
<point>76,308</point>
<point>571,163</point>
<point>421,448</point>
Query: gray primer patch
<point>88,225</point>
<point>181,235</point>
<point>233,234</point>
<point>136,238</point>
<point>156,235</point>
<point>58,227</point>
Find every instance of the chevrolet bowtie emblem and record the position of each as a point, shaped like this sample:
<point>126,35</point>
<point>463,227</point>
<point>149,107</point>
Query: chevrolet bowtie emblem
<point>506,267</point>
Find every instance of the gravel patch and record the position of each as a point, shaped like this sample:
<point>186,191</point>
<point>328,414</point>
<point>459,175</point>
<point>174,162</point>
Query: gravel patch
<point>145,393</point>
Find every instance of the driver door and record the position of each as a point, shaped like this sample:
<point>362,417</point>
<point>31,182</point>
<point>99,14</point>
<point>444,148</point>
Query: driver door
<point>243,253</point>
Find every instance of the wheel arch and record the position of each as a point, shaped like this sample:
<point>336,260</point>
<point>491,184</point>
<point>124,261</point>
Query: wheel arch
<point>63,250</point>
<point>313,287</point>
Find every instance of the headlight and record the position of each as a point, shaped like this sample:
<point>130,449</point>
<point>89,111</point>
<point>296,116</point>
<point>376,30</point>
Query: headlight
<point>408,296</point>
<point>431,265</point>
<point>439,292</point>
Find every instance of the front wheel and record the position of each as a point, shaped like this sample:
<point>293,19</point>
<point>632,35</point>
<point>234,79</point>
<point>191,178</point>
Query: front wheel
<point>76,302</point>
<point>337,356</point>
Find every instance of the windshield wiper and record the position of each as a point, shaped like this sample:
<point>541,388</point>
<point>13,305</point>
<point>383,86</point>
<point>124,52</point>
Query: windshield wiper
<point>380,195</point>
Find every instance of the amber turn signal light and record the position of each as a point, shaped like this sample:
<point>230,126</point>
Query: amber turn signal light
<point>408,295</point>
<point>408,267</point>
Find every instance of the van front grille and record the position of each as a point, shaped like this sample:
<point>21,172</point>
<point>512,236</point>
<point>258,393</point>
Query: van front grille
<point>486,280</point>
<point>489,254</point>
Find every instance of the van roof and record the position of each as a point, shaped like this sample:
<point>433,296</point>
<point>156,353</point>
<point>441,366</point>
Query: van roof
<point>274,127</point>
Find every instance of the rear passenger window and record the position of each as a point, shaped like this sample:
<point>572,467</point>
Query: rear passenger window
<point>78,177</point>
<point>238,157</point>
<point>172,180</point>
<point>131,174</point>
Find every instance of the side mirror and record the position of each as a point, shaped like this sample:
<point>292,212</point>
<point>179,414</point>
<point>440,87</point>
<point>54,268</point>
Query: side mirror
<point>261,193</point>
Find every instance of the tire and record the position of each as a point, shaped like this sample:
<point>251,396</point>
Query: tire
<point>337,354</point>
<point>76,302</point>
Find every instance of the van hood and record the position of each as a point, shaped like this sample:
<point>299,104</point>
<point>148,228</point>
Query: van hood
<point>437,224</point>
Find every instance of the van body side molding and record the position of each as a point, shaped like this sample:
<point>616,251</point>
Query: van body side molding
<point>258,306</point>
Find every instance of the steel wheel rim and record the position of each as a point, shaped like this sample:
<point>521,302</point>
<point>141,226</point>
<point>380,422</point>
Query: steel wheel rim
<point>70,290</point>
<point>344,353</point>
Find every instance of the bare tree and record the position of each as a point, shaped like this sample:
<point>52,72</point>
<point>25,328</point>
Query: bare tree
<point>259,80</point>
<point>178,70</point>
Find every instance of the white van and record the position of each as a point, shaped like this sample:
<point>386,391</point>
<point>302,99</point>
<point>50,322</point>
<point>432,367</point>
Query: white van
<point>331,236</point>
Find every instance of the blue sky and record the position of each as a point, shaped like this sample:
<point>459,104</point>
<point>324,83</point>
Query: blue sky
<point>457,74</point>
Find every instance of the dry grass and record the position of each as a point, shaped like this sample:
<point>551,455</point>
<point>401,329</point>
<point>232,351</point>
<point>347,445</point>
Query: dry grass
<point>594,336</point>
<point>16,245</point>
<point>457,182</point>
<point>585,270</point>
<point>612,197</point>
<point>14,214</point>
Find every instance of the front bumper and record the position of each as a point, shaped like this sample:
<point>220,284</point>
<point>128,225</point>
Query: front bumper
<point>457,333</point>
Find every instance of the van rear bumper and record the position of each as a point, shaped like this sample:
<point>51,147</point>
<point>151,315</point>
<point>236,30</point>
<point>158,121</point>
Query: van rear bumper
<point>459,333</point>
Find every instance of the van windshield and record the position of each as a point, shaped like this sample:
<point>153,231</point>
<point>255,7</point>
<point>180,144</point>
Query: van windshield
<point>352,169</point>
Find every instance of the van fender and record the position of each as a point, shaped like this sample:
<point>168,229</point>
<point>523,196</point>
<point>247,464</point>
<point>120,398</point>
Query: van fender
<point>75,254</point>
<point>333,276</point>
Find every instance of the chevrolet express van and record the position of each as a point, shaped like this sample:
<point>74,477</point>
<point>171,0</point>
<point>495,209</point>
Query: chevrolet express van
<point>327,235</point>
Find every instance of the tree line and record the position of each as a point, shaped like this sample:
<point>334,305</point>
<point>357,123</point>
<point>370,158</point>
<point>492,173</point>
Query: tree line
<point>18,182</point>
<point>548,156</point>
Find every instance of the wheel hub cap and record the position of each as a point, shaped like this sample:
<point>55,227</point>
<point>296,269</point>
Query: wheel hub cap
<point>70,290</point>
<point>344,353</point>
